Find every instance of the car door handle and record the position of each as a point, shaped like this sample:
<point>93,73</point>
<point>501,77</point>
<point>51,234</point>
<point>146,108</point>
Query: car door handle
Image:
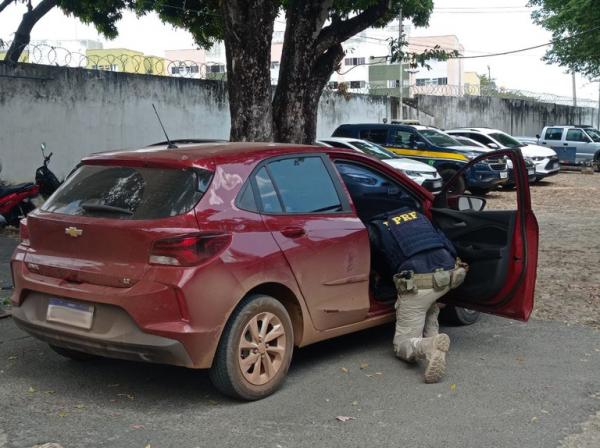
<point>565,144</point>
<point>293,232</point>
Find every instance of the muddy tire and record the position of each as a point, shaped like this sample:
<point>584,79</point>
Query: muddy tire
<point>255,349</point>
<point>459,185</point>
<point>455,315</point>
<point>72,354</point>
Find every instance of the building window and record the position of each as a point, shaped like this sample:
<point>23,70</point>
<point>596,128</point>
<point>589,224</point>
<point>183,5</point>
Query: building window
<point>393,83</point>
<point>432,82</point>
<point>110,68</point>
<point>358,84</point>
<point>217,68</point>
<point>354,61</point>
<point>185,70</point>
<point>274,65</point>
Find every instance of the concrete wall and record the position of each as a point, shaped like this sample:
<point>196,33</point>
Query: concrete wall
<point>77,112</point>
<point>515,116</point>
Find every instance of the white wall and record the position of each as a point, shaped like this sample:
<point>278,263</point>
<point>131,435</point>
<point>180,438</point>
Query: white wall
<point>78,111</point>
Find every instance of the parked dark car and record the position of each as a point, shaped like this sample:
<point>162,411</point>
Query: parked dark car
<point>432,146</point>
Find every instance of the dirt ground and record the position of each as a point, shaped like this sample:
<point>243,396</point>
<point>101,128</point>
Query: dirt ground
<point>567,207</point>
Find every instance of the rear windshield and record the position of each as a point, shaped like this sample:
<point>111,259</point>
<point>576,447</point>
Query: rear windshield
<point>129,193</point>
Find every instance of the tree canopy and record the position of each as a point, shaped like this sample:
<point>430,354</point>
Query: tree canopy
<point>575,27</point>
<point>312,48</point>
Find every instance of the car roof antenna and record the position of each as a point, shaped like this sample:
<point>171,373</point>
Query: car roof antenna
<point>170,145</point>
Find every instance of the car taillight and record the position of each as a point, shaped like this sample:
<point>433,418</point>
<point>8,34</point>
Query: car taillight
<point>188,250</point>
<point>24,232</point>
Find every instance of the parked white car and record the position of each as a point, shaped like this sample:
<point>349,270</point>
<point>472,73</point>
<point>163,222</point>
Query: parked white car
<point>545,159</point>
<point>423,174</point>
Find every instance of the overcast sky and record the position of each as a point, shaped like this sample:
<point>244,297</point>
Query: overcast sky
<point>482,27</point>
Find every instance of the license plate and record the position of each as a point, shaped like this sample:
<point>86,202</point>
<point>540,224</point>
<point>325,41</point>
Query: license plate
<point>504,175</point>
<point>437,184</point>
<point>530,172</point>
<point>66,312</point>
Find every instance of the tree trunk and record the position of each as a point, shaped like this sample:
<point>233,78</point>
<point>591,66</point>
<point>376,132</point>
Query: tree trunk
<point>310,55</point>
<point>296,99</point>
<point>23,34</point>
<point>248,30</point>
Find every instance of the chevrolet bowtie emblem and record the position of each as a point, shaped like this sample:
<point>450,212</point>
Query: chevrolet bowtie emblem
<point>73,231</point>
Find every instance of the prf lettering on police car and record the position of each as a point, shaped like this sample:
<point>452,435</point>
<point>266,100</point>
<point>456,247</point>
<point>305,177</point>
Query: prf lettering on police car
<point>403,218</point>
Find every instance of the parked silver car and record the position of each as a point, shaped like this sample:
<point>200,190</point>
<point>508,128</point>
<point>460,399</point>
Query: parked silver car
<point>573,144</point>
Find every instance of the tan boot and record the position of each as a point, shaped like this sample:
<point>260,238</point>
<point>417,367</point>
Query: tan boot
<point>433,350</point>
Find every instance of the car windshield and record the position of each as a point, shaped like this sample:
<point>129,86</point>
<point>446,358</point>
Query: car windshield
<point>506,140</point>
<point>594,134</point>
<point>373,150</point>
<point>439,138</point>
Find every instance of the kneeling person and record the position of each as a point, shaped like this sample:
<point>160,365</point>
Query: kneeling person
<point>425,267</point>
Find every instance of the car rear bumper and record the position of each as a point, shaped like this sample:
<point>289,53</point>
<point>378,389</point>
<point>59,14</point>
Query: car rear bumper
<point>113,334</point>
<point>144,322</point>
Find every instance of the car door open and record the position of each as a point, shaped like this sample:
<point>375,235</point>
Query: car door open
<point>500,247</point>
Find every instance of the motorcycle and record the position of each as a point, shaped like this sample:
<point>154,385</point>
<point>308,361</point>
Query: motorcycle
<point>16,201</point>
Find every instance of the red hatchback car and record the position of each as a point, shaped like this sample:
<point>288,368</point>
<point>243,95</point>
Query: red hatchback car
<point>227,256</point>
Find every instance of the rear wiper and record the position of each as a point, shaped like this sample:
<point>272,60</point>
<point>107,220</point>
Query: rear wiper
<point>327,209</point>
<point>105,208</point>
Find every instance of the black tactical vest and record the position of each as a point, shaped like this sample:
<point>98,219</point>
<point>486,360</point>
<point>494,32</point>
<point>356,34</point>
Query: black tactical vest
<point>405,240</point>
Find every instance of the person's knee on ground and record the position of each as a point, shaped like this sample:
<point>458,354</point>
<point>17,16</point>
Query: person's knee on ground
<point>411,311</point>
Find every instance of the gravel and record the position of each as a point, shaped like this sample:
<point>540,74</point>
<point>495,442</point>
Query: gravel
<point>567,207</point>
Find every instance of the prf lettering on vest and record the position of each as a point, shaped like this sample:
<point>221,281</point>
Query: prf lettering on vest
<point>403,218</point>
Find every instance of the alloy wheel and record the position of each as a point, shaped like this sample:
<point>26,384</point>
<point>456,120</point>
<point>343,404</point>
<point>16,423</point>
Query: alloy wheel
<point>262,348</point>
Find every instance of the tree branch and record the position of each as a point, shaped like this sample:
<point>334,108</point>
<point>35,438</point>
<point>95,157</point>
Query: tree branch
<point>4,4</point>
<point>42,9</point>
<point>340,30</point>
<point>23,33</point>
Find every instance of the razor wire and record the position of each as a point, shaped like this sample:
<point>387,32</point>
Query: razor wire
<point>46,54</point>
<point>499,92</point>
<point>383,87</point>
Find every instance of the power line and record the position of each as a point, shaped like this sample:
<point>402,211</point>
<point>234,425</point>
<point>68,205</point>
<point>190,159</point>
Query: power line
<point>520,50</point>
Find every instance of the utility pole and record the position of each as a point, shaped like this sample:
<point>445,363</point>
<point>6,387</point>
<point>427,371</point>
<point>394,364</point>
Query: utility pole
<point>489,74</point>
<point>574,90</point>
<point>401,100</point>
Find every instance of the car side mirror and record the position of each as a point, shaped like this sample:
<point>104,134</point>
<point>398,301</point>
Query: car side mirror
<point>473,203</point>
<point>493,146</point>
<point>537,136</point>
